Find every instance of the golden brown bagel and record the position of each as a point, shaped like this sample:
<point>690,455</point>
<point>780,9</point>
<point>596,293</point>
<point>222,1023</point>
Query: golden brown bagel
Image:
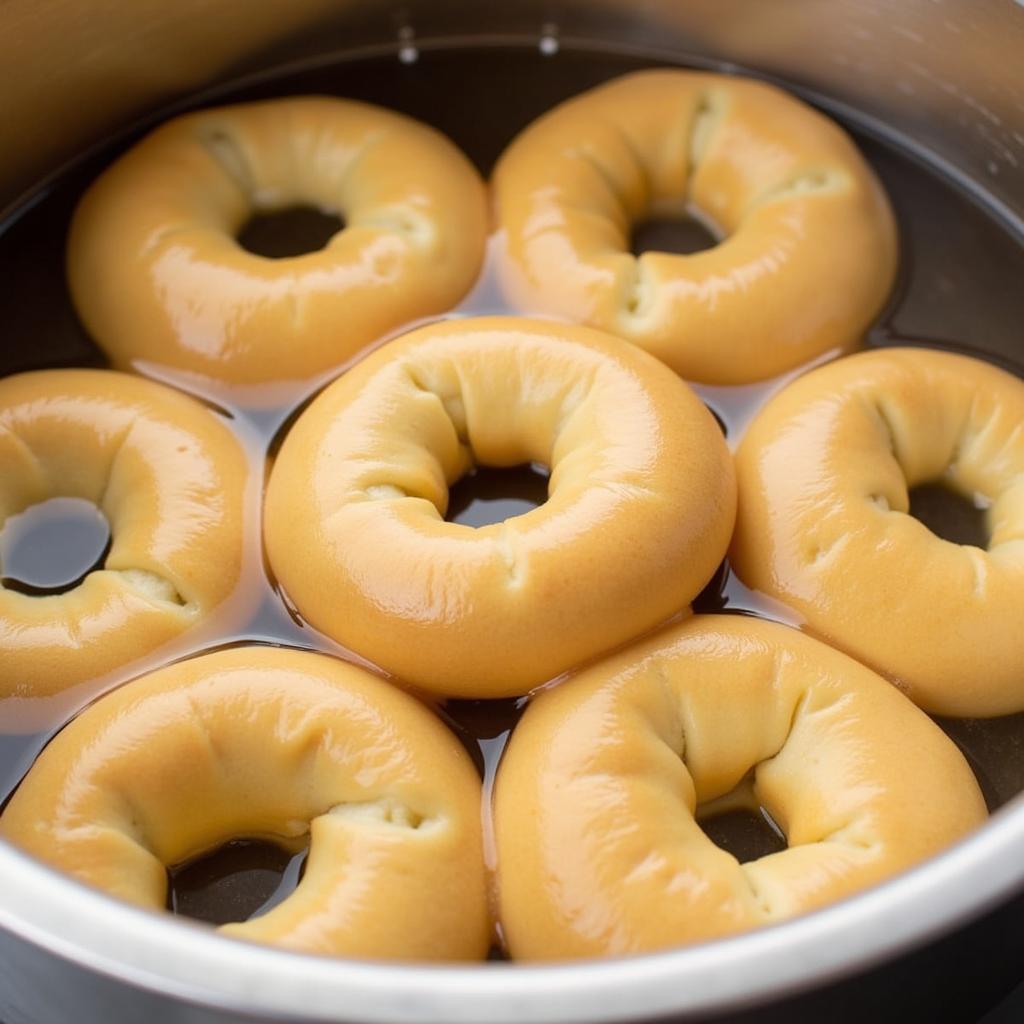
<point>265,742</point>
<point>599,850</point>
<point>640,508</point>
<point>157,276</point>
<point>825,470</point>
<point>808,253</point>
<point>170,480</point>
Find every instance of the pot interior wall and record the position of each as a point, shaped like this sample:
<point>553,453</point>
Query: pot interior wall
<point>944,73</point>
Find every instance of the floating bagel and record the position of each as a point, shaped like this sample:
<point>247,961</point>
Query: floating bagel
<point>283,745</point>
<point>158,277</point>
<point>808,248</point>
<point>639,511</point>
<point>599,794</point>
<point>825,471</point>
<point>169,477</point>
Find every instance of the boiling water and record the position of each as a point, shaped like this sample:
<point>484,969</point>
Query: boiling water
<point>959,289</point>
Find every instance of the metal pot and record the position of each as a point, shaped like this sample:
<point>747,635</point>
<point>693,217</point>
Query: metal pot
<point>945,77</point>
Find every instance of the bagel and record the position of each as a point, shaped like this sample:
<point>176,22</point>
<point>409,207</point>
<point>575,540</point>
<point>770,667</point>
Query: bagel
<point>157,276</point>
<point>825,471</point>
<point>599,850</point>
<point>640,507</point>
<point>808,251</point>
<point>170,480</point>
<point>266,742</point>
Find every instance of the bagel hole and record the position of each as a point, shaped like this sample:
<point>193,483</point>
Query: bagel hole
<point>295,231</point>
<point>488,495</point>
<point>746,833</point>
<point>950,514</point>
<point>681,235</point>
<point>241,880</point>
<point>51,547</point>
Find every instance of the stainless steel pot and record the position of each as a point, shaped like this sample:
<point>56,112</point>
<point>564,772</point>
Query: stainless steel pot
<point>944,76</point>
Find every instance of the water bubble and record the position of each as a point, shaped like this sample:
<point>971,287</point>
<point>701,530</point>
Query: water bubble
<point>407,51</point>
<point>548,44</point>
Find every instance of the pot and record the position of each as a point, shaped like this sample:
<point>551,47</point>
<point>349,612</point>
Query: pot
<point>941,79</point>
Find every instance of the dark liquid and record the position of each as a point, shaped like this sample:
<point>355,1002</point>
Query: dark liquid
<point>949,515</point>
<point>494,495</point>
<point>51,547</point>
<point>960,288</point>
<point>680,236</point>
<point>241,880</point>
<point>747,835</point>
<point>289,232</point>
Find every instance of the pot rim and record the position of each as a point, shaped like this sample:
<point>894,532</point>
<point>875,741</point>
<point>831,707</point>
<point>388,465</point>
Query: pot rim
<point>191,962</point>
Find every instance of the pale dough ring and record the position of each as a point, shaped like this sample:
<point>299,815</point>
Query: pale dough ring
<point>640,508</point>
<point>825,471</point>
<point>157,275</point>
<point>809,249</point>
<point>599,850</point>
<point>170,479</point>
<point>263,742</point>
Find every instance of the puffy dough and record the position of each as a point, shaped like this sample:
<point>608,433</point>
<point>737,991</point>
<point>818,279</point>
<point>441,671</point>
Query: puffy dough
<point>266,742</point>
<point>157,275</point>
<point>808,250</point>
<point>825,472</point>
<point>640,508</point>
<point>170,479</point>
<point>599,849</point>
